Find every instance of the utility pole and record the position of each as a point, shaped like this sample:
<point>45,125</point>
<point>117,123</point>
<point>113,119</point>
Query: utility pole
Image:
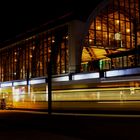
<point>50,87</point>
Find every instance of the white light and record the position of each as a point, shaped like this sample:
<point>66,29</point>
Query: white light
<point>29,90</point>
<point>16,95</point>
<point>122,72</point>
<point>40,81</point>
<point>6,84</point>
<point>85,76</point>
<point>118,36</point>
<point>90,40</point>
<point>64,78</point>
<point>20,83</point>
<point>114,73</point>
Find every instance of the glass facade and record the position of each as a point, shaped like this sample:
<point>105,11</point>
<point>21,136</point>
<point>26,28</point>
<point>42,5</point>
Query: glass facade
<point>112,42</point>
<point>113,37</point>
<point>29,58</point>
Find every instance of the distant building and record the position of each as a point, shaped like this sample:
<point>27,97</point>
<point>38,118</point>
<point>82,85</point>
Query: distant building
<point>84,54</point>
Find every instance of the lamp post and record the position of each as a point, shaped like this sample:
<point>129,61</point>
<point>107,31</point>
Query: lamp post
<point>49,87</point>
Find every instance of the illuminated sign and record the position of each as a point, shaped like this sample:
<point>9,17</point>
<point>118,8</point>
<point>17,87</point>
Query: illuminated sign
<point>37,81</point>
<point>85,76</point>
<point>22,83</point>
<point>63,78</point>
<point>8,84</point>
<point>122,72</point>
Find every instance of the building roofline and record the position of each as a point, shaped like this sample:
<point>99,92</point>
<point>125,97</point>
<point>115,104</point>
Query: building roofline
<point>46,26</point>
<point>95,13</point>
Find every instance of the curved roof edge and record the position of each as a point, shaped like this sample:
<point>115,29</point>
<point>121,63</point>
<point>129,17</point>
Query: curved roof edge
<point>94,13</point>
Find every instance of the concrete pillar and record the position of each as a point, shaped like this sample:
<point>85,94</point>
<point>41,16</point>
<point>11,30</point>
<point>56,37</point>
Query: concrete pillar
<point>76,31</point>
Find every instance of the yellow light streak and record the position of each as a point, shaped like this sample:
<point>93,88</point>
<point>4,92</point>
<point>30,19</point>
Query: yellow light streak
<point>97,89</point>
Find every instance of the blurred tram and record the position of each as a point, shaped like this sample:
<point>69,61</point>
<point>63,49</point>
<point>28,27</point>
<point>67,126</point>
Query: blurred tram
<point>98,94</point>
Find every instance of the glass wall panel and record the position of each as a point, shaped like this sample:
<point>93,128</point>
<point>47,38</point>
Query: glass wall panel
<point>114,36</point>
<point>29,58</point>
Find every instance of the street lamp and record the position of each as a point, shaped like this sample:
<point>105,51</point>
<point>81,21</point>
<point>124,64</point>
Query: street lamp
<point>50,86</point>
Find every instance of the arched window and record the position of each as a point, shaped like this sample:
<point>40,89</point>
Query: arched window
<point>112,37</point>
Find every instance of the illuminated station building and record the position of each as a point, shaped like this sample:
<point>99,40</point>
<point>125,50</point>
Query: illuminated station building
<point>93,59</point>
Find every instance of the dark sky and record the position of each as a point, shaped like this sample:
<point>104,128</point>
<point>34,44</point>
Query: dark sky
<point>18,16</point>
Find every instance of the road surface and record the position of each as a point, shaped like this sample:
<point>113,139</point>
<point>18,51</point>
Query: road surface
<point>29,125</point>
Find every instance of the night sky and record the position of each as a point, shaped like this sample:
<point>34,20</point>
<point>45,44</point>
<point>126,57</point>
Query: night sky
<point>17,17</point>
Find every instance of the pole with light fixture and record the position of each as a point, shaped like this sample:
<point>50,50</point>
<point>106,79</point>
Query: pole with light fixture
<point>49,72</point>
<point>49,88</point>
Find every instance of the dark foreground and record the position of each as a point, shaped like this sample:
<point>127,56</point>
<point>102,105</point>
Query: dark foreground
<point>24,125</point>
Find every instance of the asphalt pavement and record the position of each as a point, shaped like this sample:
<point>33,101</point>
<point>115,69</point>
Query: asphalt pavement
<point>30,125</point>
